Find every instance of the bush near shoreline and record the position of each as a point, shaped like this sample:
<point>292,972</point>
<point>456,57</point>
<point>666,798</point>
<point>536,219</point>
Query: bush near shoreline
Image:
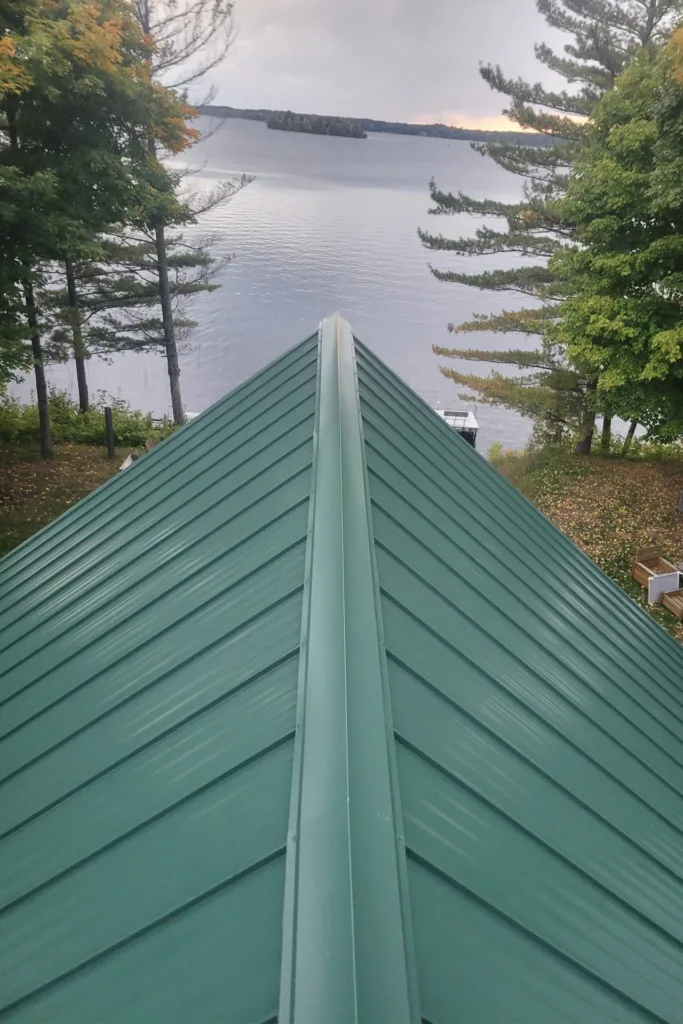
<point>19,422</point>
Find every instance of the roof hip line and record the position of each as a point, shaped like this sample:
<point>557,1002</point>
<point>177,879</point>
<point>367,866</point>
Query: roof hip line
<point>347,934</point>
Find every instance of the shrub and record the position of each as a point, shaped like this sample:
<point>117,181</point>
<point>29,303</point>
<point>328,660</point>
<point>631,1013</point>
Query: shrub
<point>495,454</point>
<point>653,451</point>
<point>19,423</point>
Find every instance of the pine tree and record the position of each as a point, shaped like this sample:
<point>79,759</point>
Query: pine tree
<point>606,35</point>
<point>119,297</point>
<point>555,395</point>
<point>191,38</point>
<point>119,301</point>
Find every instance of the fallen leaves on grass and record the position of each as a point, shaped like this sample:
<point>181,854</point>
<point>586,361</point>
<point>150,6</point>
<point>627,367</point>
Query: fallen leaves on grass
<point>610,507</point>
<point>34,491</point>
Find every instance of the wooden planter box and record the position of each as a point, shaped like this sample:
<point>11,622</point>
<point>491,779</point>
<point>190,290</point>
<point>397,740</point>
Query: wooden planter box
<point>648,563</point>
<point>674,603</point>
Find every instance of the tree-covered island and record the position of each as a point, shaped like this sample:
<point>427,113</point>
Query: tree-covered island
<point>315,124</point>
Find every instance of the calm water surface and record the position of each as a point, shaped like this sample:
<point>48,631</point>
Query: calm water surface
<point>328,224</point>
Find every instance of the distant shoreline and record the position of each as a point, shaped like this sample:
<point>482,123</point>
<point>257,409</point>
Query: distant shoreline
<point>313,124</point>
<point>366,124</point>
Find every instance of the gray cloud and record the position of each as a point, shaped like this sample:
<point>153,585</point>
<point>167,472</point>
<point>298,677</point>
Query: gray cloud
<point>391,59</point>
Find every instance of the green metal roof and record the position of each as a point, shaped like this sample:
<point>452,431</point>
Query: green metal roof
<point>309,716</point>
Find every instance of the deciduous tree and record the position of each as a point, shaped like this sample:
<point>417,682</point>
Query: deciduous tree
<point>623,310</point>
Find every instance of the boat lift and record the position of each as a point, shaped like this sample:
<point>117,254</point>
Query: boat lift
<point>463,421</point>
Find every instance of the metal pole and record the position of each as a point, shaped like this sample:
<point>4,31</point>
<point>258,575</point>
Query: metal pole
<point>109,430</point>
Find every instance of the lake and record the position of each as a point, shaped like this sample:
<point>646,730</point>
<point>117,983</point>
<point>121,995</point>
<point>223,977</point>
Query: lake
<point>328,224</point>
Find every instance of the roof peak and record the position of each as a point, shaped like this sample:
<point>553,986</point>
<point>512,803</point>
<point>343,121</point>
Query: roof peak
<point>346,911</point>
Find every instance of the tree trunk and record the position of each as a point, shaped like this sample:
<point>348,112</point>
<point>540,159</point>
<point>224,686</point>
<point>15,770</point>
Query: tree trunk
<point>169,330</point>
<point>629,437</point>
<point>165,297</point>
<point>584,438</point>
<point>46,449</point>
<point>77,335</point>
<point>606,437</point>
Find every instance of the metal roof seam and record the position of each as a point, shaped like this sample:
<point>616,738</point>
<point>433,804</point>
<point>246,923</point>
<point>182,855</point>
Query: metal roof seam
<point>664,782</point>
<point>498,738</point>
<point>570,672</point>
<point>163,539</point>
<point>113,510</point>
<point>167,629</point>
<point>554,851</point>
<point>515,501</point>
<point>158,738</point>
<point>625,611</point>
<point>450,538</point>
<point>100,494</point>
<point>170,915</point>
<point>576,964</point>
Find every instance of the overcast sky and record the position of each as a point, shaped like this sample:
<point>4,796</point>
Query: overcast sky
<point>404,60</point>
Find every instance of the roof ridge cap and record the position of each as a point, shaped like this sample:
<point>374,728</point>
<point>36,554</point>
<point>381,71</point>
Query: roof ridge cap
<point>347,949</point>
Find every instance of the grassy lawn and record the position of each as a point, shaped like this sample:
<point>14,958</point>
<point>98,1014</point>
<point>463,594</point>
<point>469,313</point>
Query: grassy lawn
<point>34,491</point>
<point>609,507</point>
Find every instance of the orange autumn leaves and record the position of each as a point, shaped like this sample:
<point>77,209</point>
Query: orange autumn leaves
<point>13,75</point>
<point>87,36</point>
<point>676,45</point>
<point>96,41</point>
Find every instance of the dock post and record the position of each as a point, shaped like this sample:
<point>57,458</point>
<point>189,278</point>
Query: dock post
<point>109,430</point>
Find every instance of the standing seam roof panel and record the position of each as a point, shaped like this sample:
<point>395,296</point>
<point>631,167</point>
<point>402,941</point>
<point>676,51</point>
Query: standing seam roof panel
<point>476,485</point>
<point>150,650</point>
<point>570,939</point>
<point>308,716</point>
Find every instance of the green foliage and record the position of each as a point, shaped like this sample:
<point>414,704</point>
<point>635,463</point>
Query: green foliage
<point>119,296</point>
<point>79,119</point>
<point>622,313</point>
<point>653,449</point>
<point>549,433</point>
<point>19,423</point>
<point>14,355</point>
<point>74,157</point>
<point>496,453</point>
<point>606,34</point>
<point>556,396</point>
